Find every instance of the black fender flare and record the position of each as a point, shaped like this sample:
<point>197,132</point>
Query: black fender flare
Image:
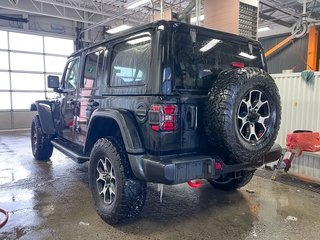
<point>44,108</point>
<point>127,125</point>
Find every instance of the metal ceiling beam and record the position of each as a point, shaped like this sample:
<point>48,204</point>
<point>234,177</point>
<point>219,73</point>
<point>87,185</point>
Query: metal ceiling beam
<point>275,20</point>
<point>66,9</point>
<point>278,9</point>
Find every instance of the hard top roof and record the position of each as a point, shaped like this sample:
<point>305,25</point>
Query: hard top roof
<point>168,24</point>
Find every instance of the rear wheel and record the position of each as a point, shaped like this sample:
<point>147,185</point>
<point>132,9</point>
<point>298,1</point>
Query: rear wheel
<point>116,193</point>
<point>232,181</point>
<point>40,142</point>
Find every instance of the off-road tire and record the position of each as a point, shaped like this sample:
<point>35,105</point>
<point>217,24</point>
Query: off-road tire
<point>229,183</point>
<point>130,193</point>
<point>221,115</point>
<point>40,142</point>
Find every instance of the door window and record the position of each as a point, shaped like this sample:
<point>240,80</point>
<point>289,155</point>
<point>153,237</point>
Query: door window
<point>92,69</point>
<point>92,73</point>
<point>72,75</point>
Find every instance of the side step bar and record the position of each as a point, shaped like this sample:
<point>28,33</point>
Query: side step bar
<point>77,157</point>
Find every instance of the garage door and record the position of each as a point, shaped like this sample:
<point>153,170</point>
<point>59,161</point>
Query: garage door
<point>25,62</point>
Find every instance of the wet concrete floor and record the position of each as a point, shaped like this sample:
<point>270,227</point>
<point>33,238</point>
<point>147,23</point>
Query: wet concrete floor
<point>51,200</point>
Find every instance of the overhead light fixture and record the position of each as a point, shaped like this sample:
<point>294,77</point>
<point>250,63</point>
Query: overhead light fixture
<point>194,19</point>
<point>263,29</point>
<point>139,40</point>
<point>118,29</point>
<point>246,55</point>
<point>210,45</point>
<point>138,3</point>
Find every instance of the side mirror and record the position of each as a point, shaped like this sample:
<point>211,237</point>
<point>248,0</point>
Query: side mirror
<point>53,82</point>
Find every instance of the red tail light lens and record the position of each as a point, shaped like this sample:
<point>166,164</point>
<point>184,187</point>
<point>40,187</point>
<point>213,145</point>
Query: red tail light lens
<point>237,64</point>
<point>169,109</point>
<point>168,126</point>
<point>155,127</point>
<point>155,107</point>
<point>163,117</point>
<point>217,166</point>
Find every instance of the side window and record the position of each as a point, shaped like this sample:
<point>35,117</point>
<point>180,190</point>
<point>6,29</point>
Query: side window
<point>131,62</point>
<point>92,69</point>
<point>72,75</point>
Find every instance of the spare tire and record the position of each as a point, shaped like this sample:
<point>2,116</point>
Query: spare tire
<point>242,115</point>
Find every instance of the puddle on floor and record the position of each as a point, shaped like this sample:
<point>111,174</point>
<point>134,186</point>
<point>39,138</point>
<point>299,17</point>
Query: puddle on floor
<point>16,173</point>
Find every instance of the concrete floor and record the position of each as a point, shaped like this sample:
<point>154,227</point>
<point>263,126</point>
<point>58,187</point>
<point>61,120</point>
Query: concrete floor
<point>51,200</point>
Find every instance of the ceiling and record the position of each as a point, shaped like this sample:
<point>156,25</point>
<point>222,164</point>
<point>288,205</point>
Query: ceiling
<point>279,15</point>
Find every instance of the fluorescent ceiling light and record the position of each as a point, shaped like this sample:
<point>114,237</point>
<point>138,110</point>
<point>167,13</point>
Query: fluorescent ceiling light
<point>263,29</point>
<point>246,55</point>
<point>137,4</point>
<point>194,19</point>
<point>139,35</point>
<point>118,29</point>
<point>139,40</point>
<point>210,45</point>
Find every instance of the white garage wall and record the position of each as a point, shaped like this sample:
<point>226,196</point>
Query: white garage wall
<point>300,110</point>
<point>25,62</point>
<point>300,104</point>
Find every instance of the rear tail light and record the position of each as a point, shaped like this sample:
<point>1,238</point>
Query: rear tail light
<point>163,117</point>
<point>237,64</point>
<point>217,166</point>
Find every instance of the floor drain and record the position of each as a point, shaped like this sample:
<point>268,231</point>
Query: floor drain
<point>289,180</point>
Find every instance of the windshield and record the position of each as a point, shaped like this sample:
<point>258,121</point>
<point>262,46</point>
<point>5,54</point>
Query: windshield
<point>198,59</point>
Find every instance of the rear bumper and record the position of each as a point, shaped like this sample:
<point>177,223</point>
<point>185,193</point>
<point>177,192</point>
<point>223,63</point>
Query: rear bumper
<point>175,170</point>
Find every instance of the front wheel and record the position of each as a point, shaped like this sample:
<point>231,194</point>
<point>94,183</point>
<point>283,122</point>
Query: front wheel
<point>40,142</point>
<point>116,193</point>
<point>232,181</point>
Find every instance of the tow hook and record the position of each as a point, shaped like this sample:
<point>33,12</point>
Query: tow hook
<point>195,184</point>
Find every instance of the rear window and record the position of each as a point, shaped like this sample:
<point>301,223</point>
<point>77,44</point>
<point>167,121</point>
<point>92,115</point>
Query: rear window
<point>198,59</point>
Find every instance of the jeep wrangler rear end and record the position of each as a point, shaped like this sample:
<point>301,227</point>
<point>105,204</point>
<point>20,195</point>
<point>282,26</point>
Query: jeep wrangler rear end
<point>165,103</point>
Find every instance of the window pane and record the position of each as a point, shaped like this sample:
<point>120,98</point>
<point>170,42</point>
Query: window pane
<point>25,42</point>
<point>5,101</point>
<point>21,100</point>
<point>26,62</point>
<point>55,64</point>
<point>131,61</point>
<point>4,62</point>
<point>3,40</point>
<point>90,69</point>
<point>72,75</point>
<point>4,81</point>
<point>198,62</point>
<point>27,81</point>
<point>58,46</point>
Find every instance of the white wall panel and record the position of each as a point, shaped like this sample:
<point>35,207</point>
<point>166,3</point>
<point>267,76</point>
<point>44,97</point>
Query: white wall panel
<point>5,120</point>
<point>300,110</point>
<point>306,165</point>
<point>300,104</point>
<point>23,119</point>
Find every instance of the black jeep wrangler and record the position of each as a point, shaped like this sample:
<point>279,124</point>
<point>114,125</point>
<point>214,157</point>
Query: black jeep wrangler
<point>166,103</point>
